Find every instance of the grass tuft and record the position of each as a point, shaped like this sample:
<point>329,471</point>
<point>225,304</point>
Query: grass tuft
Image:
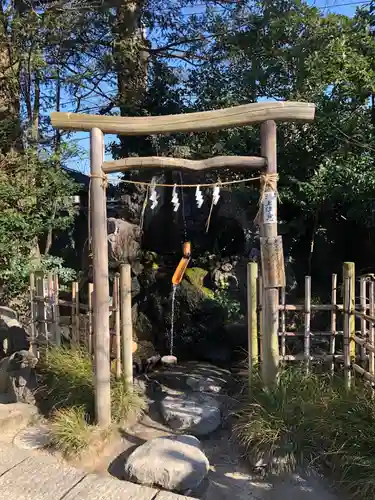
<point>68,378</point>
<point>69,383</point>
<point>70,430</point>
<point>126,403</point>
<point>271,425</point>
<point>310,417</point>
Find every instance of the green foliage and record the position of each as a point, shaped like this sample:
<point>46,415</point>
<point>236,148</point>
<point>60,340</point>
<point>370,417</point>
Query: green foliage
<point>70,431</point>
<point>69,383</point>
<point>273,422</point>
<point>231,305</point>
<point>312,417</point>
<point>34,199</point>
<point>126,402</point>
<point>292,51</point>
<point>248,52</point>
<point>68,379</point>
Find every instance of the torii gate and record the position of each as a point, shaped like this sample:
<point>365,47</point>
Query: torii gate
<point>265,113</point>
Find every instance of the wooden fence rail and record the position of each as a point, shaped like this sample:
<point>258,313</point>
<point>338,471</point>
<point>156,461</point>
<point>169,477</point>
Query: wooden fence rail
<point>49,327</point>
<point>347,340</point>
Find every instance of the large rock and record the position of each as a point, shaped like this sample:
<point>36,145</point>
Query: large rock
<point>196,413</point>
<point>17,377</point>
<point>175,463</point>
<point>12,332</point>
<point>123,243</point>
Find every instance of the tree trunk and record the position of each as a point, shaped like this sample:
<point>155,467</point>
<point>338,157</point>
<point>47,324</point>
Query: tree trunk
<point>131,60</point>
<point>9,89</point>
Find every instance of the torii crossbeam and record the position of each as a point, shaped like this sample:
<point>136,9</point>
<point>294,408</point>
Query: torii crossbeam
<point>265,113</point>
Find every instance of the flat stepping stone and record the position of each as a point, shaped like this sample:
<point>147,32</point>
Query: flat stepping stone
<point>196,413</point>
<point>174,463</point>
<point>205,384</point>
<point>33,438</point>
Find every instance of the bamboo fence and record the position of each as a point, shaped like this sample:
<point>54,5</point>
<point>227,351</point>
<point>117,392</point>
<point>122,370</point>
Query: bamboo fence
<point>48,327</point>
<point>347,344</point>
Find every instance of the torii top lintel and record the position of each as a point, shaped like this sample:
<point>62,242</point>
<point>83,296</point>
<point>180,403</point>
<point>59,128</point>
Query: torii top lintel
<point>237,116</point>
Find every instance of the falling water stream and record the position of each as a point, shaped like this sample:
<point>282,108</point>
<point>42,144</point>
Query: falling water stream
<point>174,288</point>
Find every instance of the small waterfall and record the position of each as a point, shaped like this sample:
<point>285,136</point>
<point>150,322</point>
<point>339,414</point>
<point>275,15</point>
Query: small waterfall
<point>174,289</point>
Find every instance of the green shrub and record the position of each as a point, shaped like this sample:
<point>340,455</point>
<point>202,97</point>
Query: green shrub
<point>126,403</point>
<point>349,440</point>
<point>273,422</point>
<point>35,200</point>
<point>229,304</point>
<point>68,378</point>
<point>69,382</point>
<point>310,417</point>
<point>70,431</point>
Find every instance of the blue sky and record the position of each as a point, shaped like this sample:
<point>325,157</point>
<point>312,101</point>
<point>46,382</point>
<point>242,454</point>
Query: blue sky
<point>81,162</point>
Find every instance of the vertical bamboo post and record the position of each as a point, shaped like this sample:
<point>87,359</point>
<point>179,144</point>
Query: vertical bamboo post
<point>116,312</point>
<point>51,304</point>
<point>126,323</point>
<point>283,322</point>
<point>90,301</point>
<point>252,320</point>
<point>73,313</point>
<point>332,343</point>
<point>347,373</point>
<point>363,309</point>
<point>261,320</point>
<point>41,306</point>
<point>101,284</point>
<point>371,337</point>
<point>307,332</point>
<point>77,313</point>
<point>57,309</point>
<point>270,364</point>
<point>33,340</point>
<point>349,272</point>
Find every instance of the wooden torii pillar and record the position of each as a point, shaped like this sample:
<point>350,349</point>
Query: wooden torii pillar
<point>265,113</point>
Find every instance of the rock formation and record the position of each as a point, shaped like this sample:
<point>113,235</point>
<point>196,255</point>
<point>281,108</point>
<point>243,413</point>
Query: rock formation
<point>17,377</point>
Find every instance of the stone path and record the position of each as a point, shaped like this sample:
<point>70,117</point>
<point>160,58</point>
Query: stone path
<point>26,476</point>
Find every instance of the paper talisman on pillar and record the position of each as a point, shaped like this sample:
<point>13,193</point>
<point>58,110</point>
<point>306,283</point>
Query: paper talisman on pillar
<point>270,207</point>
<point>272,257</point>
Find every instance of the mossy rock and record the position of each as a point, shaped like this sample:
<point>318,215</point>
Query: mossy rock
<point>195,276</point>
<point>145,350</point>
<point>150,259</point>
<point>143,327</point>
